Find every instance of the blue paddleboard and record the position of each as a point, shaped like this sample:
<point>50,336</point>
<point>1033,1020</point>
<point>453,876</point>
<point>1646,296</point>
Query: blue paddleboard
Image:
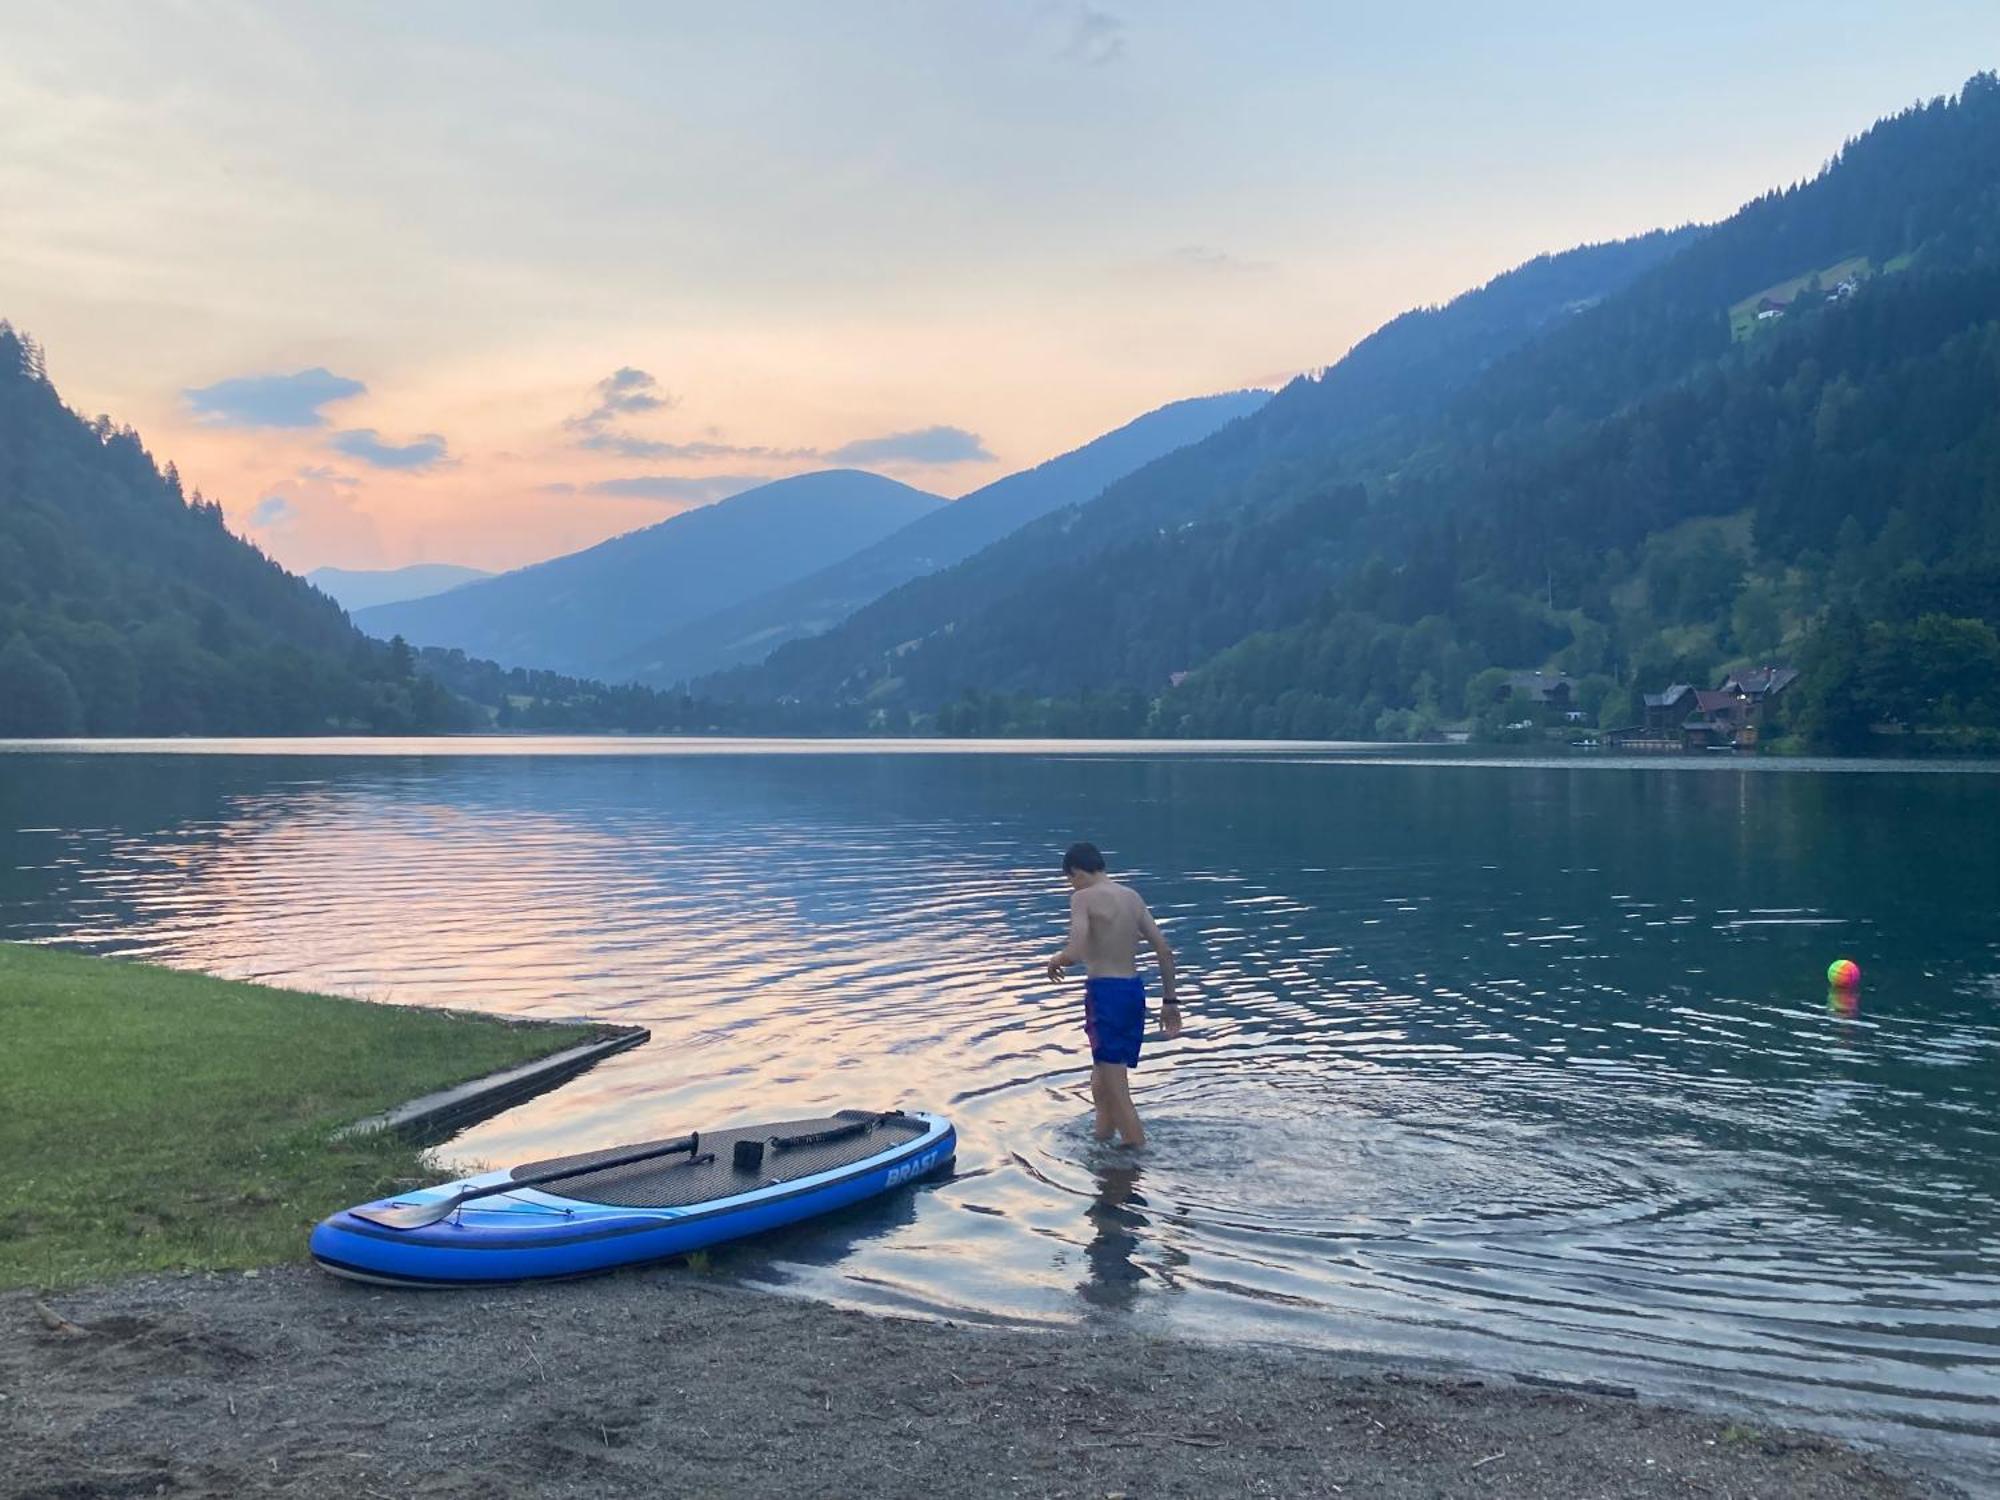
<point>574,1215</point>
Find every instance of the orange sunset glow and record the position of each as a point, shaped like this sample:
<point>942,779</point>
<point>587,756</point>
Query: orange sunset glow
<point>1003,231</point>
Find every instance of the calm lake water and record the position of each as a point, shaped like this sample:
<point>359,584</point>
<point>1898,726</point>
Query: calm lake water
<point>1526,1064</point>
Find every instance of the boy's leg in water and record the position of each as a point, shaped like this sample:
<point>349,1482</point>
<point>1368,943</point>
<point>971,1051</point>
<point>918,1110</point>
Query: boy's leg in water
<point>1124,1117</point>
<point>1101,1097</point>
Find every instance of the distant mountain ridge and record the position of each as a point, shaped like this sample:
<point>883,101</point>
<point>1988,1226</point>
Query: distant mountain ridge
<point>1775,439</point>
<point>585,612</point>
<point>361,588</point>
<point>753,629</point>
<point>1631,486</point>
<point>923,642</point>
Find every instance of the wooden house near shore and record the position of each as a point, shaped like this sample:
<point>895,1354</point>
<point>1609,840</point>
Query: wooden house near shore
<point>1733,716</point>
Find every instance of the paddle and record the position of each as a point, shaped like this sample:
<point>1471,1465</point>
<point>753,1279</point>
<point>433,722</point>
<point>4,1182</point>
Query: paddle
<point>417,1215</point>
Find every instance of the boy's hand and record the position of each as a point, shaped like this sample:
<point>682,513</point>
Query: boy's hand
<point>1170,1020</point>
<point>1056,966</point>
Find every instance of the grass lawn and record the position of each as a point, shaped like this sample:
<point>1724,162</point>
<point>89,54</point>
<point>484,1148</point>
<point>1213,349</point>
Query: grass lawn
<point>153,1120</point>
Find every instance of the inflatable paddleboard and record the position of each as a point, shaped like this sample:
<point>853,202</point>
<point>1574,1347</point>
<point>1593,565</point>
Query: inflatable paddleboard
<point>573,1215</point>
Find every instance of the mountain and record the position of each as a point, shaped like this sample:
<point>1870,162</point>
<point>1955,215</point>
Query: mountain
<point>753,629</point>
<point>1830,497</point>
<point>1778,437</point>
<point>904,650</point>
<point>1665,490</point>
<point>359,588</point>
<point>1739,437</point>
<point>585,612</point>
<point>127,607</point>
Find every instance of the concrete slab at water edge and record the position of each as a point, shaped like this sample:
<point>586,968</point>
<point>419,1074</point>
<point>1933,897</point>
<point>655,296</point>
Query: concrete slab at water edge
<point>436,1117</point>
<point>664,1381</point>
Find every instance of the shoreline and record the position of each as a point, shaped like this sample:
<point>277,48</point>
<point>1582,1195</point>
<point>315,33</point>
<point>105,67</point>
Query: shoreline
<point>474,745</point>
<point>666,1380</point>
<point>220,1115</point>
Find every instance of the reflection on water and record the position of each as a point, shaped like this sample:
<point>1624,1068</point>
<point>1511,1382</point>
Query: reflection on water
<point>1117,1223</point>
<point>1528,1064</point>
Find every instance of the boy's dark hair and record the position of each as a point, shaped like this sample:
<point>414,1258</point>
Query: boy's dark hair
<point>1084,857</point>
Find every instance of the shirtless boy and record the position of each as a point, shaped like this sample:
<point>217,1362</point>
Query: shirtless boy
<point>1106,923</point>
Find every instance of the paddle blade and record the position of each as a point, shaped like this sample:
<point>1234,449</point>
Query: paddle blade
<point>409,1215</point>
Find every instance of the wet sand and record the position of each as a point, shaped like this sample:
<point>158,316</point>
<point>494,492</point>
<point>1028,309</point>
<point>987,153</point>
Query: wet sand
<point>670,1382</point>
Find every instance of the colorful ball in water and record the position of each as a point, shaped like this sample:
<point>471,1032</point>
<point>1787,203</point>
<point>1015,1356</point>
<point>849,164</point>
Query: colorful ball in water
<point>1843,973</point>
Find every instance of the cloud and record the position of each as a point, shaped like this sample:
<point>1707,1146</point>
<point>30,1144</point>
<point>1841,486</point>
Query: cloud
<point>925,445</point>
<point>427,452</point>
<point>273,511</point>
<point>271,400</point>
<point>699,488</point>
<point>628,390</point>
<point>1096,37</point>
<point>634,447</point>
<point>621,393</point>
<point>326,474</point>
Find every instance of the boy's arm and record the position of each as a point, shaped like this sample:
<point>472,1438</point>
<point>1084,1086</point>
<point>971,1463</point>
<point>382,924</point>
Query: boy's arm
<point>1170,1010</point>
<point>1074,950</point>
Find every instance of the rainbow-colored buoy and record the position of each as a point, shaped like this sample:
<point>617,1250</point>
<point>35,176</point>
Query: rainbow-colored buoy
<point>1843,974</point>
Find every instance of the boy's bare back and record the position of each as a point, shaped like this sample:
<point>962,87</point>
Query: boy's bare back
<point>1108,921</point>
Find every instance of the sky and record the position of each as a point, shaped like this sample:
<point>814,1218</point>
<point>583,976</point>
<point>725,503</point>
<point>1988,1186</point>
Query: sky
<point>481,282</point>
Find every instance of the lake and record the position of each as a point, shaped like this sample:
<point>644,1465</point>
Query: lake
<point>1529,1064</point>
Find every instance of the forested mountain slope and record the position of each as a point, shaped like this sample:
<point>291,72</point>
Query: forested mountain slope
<point>585,613</point>
<point>1649,486</point>
<point>750,631</point>
<point>903,648</point>
<point>1851,463</point>
<point>1649,496</point>
<point>127,607</point>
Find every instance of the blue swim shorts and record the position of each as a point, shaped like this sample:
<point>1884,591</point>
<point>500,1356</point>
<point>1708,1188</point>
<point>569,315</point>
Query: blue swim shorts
<point>1114,1017</point>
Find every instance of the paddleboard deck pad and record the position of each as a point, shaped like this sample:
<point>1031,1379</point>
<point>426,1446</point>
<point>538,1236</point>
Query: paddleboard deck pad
<point>686,1195</point>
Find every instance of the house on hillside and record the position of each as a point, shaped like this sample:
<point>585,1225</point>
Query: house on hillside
<point>1761,685</point>
<point>1757,692</point>
<point>1530,700</point>
<point>1665,712</point>
<point>1718,720</point>
<point>1543,689</point>
<point>1732,716</point>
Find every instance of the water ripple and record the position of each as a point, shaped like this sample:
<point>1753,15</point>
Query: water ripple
<point>1522,1064</point>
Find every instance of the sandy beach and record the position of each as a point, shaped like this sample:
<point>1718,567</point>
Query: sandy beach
<point>672,1382</point>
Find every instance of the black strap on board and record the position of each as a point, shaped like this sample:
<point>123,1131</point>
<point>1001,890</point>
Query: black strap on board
<point>860,1126</point>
